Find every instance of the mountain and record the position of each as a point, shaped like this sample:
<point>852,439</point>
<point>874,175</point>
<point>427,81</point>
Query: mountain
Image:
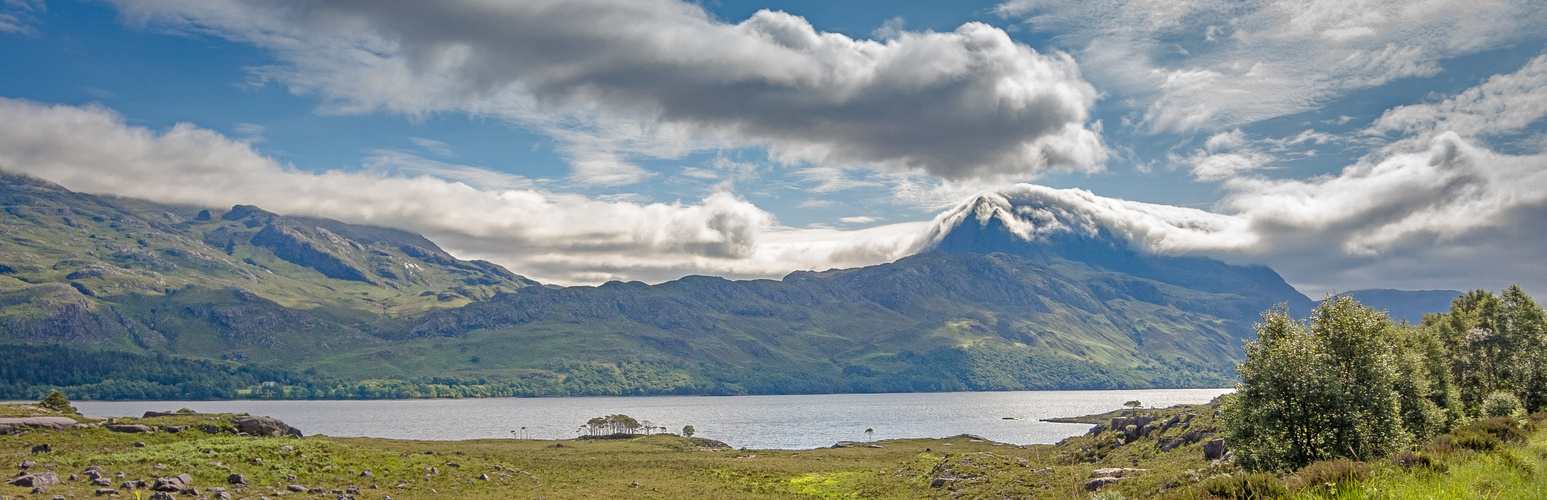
<point>206,303</point>
<point>1407,305</point>
<point>244,284</point>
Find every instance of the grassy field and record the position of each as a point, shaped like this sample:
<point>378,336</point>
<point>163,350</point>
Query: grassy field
<point>1165,461</point>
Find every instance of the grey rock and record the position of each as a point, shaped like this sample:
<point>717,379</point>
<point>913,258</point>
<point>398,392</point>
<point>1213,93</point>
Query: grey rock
<point>296,488</point>
<point>1098,483</point>
<point>1214,450</point>
<point>236,479</point>
<point>129,428</point>
<point>264,426</point>
<point>35,480</point>
<point>11,424</point>
<point>179,482</point>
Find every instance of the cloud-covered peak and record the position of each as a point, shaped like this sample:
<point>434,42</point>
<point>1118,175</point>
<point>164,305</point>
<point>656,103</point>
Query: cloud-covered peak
<point>1032,213</point>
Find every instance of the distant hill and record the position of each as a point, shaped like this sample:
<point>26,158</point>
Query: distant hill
<point>216,300</point>
<point>1405,304</point>
<point>242,284</point>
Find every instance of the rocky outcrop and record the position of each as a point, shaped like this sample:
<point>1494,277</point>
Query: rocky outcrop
<point>264,426</point>
<point>292,245</point>
<point>11,424</point>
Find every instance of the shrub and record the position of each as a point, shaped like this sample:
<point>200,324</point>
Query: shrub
<point>1246,486</point>
<point>1410,460</point>
<point>687,431</point>
<point>1483,436</point>
<point>1504,429</point>
<point>57,402</point>
<point>1502,404</point>
<point>1332,473</point>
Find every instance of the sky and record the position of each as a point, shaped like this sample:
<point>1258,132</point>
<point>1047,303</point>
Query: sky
<point>1347,144</point>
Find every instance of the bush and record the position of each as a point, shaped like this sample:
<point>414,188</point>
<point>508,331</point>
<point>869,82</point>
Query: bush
<point>1246,486</point>
<point>1332,473</point>
<point>57,402</point>
<point>1410,460</point>
<point>1482,435</point>
<point>1502,404</point>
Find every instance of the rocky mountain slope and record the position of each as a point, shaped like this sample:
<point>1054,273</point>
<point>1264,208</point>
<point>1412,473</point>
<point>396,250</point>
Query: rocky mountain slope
<point>133,275</point>
<point>340,304</point>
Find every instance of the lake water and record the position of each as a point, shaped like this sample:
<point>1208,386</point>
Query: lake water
<point>758,422</point>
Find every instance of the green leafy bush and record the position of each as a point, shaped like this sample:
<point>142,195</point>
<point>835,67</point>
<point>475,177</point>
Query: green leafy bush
<point>57,402</point>
<point>1502,404</point>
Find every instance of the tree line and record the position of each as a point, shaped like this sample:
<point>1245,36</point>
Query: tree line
<point>1348,382</point>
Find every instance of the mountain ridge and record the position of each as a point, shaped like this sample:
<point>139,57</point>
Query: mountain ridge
<point>346,308</point>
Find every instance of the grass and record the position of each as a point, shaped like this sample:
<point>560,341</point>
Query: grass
<point>1166,462</point>
<point>659,466</point>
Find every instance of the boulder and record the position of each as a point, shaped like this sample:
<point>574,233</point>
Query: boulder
<point>179,482</point>
<point>264,426</point>
<point>1116,471</point>
<point>1214,450</point>
<point>296,488</point>
<point>237,479</point>
<point>11,424</point>
<point>129,428</point>
<point>36,480</point>
<point>26,464</point>
<point>1100,482</point>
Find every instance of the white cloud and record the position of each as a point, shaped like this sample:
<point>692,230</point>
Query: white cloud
<point>553,237</point>
<point>1455,215</point>
<point>1502,104</point>
<point>439,148</point>
<point>18,16</point>
<point>1219,64</point>
<point>1214,167</point>
<point>612,79</point>
<point>859,219</point>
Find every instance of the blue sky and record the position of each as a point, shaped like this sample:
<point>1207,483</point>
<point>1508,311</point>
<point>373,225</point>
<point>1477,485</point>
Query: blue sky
<point>1346,144</point>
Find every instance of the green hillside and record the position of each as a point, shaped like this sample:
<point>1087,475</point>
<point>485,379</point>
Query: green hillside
<point>222,300</point>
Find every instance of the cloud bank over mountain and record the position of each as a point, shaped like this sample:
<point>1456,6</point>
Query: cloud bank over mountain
<point>552,237</point>
<point>613,80</point>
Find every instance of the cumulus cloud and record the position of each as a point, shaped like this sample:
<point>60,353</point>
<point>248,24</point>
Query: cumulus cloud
<point>554,237</point>
<point>612,79</point>
<point>1218,64</point>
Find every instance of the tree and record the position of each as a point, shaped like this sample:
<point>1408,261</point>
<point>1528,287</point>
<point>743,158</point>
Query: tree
<point>1495,343</point>
<point>1318,390</point>
<point>687,431</point>
<point>1133,406</point>
<point>57,402</point>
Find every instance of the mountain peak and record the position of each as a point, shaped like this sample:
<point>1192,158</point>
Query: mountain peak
<point>1073,227</point>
